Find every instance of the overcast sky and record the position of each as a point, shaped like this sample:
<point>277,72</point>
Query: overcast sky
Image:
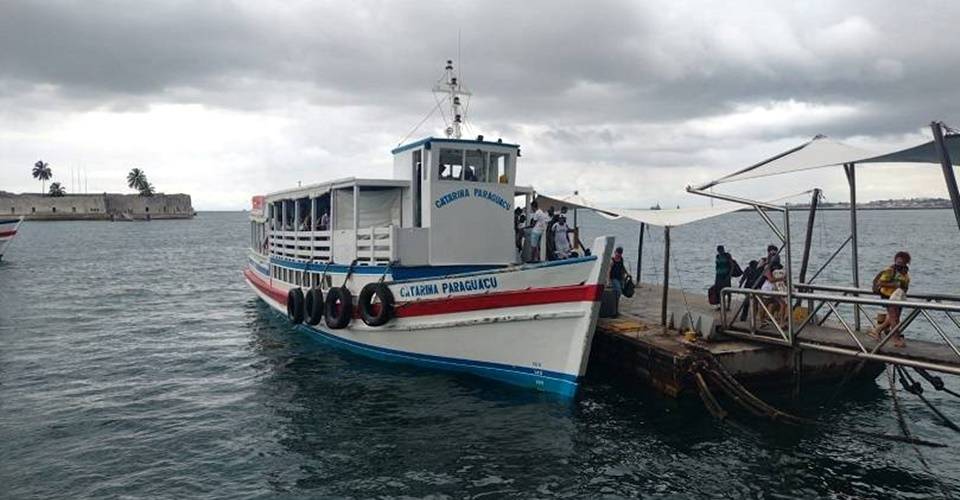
<point>627,102</point>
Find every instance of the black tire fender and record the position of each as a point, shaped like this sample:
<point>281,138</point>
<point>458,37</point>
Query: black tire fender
<point>313,307</point>
<point>338,308</point>
<point>295,305</point>
<point>369,313</point>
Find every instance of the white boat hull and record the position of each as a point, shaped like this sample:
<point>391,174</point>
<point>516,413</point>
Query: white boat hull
<point>529,325</point>
<point>8,230</point>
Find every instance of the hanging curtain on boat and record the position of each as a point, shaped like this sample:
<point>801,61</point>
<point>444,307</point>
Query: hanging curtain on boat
<point>379,207</point>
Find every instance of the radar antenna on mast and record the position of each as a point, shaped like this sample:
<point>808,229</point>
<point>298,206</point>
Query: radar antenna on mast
<point>450,84</point>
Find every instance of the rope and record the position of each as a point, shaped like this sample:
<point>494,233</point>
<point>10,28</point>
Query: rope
<point>892,377</point>
<point>913,387</point>
<point>707,363</point>
<point>936,381</point>
<point>683,294</point>
<point>424,120</point>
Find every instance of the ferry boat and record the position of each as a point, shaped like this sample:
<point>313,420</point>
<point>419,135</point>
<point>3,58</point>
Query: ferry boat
<point>424,268</point>
<point>8,230</point>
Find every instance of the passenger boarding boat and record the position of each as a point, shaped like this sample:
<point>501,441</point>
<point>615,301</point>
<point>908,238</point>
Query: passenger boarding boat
<point>8,229</point>
<point>424,268</point>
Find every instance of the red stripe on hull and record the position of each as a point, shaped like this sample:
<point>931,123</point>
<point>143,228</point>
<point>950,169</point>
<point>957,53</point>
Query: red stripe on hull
<point>513,298</point>
<point>265,287</point>
<point>466,303</point>
<point>7,233</point>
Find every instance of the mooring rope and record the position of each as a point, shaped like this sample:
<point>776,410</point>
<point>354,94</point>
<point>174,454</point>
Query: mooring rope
<point>708,365</point>
<point>936,382</point>
<point>898,411</point>
<point>914,387</point>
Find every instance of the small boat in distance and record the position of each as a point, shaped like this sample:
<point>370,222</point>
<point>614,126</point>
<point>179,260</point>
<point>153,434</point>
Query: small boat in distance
<point>8,229</point>
<point>424,268</point>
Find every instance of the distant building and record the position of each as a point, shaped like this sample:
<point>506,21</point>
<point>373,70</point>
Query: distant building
<point>104,206</point>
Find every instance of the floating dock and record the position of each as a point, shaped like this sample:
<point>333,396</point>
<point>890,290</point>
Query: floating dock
<point>640,352</point>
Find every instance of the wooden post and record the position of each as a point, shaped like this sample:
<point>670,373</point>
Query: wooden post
<point>851,172</point>
<point>947,165</point>
<point>640,253</point>
<point>666,275</point>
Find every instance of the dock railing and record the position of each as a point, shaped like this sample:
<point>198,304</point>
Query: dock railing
<point>794,333</point>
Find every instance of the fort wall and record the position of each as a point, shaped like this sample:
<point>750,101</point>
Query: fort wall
<point>103,206</point>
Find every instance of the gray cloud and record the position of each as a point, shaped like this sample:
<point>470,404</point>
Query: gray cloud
<point>686,87</point>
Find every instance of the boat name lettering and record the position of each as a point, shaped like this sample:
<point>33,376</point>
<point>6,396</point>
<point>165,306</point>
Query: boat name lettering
<point>491,196</point>
<point>449,287</point>
<point>419,290</point>
<point>451,197</point>
<point>469,285</point>
<point>484,194</point>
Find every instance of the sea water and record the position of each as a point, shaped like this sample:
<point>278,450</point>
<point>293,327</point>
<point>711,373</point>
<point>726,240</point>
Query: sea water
<point>135,363</point>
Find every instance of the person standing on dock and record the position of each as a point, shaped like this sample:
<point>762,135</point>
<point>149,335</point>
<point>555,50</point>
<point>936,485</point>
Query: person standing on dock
<point>724,271</point>
<point>892,284</point>
<point>618,271</point>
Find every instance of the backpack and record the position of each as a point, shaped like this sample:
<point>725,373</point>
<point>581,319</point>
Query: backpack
<point>876,282</point>
<point>735,270</point>
<point>629,287</point>
<point>713,295</point>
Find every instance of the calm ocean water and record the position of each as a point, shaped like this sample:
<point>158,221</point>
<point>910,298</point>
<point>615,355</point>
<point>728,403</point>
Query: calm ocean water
<point>135,363</point>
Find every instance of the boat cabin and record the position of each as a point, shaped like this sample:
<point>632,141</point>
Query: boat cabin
<point>450,202</point>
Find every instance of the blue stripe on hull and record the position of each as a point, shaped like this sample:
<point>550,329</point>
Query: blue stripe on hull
<point>400,273</point>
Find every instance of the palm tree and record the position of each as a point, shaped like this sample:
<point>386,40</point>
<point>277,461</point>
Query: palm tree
<point>136,179</point>
<point>57,190</point>
<point>146,189</point>
<point>42,172</point>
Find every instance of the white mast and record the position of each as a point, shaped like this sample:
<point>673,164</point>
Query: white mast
<point>450,84</point>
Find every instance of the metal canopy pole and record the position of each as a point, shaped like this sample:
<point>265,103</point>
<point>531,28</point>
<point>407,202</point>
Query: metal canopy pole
<point>666,275</point>
<point>789,268</point>
<point>640,252</point>
<point>811,218</point>
<point>948,174</point>
<point>850,170</point>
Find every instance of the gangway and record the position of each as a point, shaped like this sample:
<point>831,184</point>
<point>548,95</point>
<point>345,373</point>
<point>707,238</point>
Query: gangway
<point>832,331</point>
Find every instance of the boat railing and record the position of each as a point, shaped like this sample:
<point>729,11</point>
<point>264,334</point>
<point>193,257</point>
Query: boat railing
<point>370,246</point>
<point>306,245</point>
<point>375,245</point>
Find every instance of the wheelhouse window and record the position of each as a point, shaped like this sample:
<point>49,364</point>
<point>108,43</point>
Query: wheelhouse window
<point>498,168</point>
<point>474,165</point>
<point>451,164</point>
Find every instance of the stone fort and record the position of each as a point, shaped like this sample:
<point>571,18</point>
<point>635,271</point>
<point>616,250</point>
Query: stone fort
<point>105,206</point>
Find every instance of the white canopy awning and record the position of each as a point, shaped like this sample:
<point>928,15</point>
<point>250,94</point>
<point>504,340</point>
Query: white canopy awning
<point>665,218</point>
<point>570,202</point>
<point>823,152</point>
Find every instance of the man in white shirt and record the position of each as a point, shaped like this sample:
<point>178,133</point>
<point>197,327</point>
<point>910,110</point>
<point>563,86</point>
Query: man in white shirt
<point>539,221</point>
